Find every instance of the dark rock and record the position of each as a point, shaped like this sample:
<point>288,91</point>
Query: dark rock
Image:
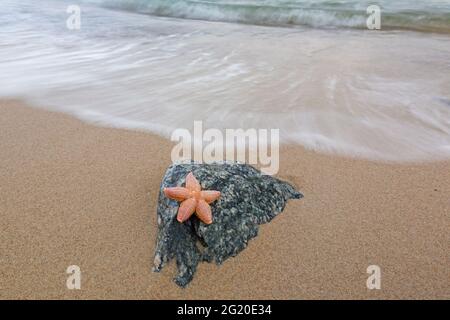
<point>248,198</point>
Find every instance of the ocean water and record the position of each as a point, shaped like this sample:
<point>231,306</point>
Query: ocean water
<point>402,14</point>
<point>309,68</point>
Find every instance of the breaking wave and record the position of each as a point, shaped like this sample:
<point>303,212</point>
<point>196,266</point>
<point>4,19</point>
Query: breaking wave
<point>433,16</point>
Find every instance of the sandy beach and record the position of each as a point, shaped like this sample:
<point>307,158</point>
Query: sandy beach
<point>73,193</point>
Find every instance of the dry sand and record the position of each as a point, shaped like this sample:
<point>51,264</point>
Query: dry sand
<point>73,193</point>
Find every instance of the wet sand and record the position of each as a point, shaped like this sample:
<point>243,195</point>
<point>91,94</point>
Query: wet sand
<point>73,193</point>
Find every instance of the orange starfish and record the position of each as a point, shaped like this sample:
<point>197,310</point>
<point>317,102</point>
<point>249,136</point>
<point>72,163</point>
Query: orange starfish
<point>193,199</point>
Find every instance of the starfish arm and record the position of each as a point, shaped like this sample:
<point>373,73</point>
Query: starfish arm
<point>192,183</point>
<point>210,195</point>
<point>187,208</point>
<point>203,212</point>
<point>177,193</point>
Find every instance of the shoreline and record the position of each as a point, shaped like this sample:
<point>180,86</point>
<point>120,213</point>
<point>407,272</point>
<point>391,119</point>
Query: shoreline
<point>74,193</point>
<point>162,133</point>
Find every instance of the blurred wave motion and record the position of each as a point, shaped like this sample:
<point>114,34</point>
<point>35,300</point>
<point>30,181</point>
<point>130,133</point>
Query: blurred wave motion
<point>158,65</point>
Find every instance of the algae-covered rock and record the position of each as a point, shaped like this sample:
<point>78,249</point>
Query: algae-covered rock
<point>248,199</point>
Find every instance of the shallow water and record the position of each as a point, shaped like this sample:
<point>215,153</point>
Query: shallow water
<point>372,94</point>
